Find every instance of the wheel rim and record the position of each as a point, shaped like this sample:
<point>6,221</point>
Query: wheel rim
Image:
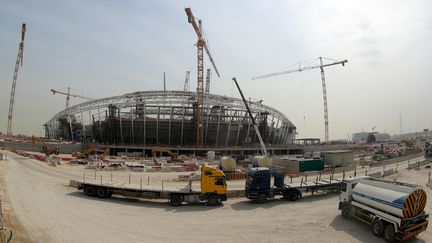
<point>101,193</point>
<point>175,201</point>
<point>388,234</point>
<point>376,228</point>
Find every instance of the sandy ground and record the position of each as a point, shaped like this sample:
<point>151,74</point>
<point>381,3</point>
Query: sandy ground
<point>45,209</point>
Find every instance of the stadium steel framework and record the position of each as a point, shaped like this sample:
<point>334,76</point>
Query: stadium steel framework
<point>167,118</point>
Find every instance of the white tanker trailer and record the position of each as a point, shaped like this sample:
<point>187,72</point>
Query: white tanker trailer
<point>395,210</point>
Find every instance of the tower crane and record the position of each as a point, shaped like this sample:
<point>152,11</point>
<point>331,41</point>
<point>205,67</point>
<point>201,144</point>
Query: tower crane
<point>201,44</point>
<point>186,82</point>
<point>68,95</point>
<point>321,67</point>
<point>19,61</point>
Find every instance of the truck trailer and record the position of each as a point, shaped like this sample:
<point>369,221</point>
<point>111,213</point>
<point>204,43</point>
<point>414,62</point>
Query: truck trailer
<point>258,186</point>
<point>394,210</point>
<point>213,190</point>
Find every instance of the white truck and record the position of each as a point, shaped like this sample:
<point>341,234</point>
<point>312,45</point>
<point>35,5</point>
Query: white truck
<point>394,210</point>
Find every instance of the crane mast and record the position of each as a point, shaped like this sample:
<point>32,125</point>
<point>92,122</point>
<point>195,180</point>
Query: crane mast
<point>186,82</point>
<point>201,46</point>
<point>207,86</point>
<point>19,62</point>
<point>321,67</point>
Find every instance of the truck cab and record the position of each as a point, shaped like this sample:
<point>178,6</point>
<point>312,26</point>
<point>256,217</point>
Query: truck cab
<point>258,183</point>
<point>345,196</point>
<point>213,185</point>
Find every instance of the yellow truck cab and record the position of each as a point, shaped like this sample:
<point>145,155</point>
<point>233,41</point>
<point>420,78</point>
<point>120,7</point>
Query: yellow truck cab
<point>213,185</point>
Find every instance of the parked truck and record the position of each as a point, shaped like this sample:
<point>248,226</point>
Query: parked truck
<point>394,210</point>
<point>258,186</point>
<point>213,190</point>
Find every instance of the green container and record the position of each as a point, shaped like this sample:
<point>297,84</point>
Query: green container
<point>311,165</point>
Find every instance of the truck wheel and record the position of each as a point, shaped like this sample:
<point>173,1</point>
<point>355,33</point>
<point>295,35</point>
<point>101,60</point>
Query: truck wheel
<point>346,212</point>
<point>175,200</point>
<point>293,196</point>
<point>378,227</point>
<point>389,233</point>
<point>102,192</point>
<point>212,200</point>
<point>89,191</point>
<point>262,198</point>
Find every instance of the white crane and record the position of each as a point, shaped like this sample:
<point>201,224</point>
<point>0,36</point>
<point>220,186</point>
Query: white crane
<point>321,66</point>
<point>19,61</point>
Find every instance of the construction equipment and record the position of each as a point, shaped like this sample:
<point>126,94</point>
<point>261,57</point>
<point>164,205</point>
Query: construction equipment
<point>68,95</point>
<point>213,189</point>
<point>18,63</point>
<point>165,152</point>
<point>395,210</point>
<point>186,82</point>
<point>263,147</point>
<point>201,44</point>
<point>91,151</point>
<point>321,66</point>
<point>47,150</point>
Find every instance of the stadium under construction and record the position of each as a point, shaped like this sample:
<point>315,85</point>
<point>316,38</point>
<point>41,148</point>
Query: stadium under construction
<point>167,118</point>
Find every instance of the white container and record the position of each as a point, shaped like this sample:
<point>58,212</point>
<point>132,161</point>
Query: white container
<point>211,155</point>
<point>262,161</point>
<point>402,200</point>
<point>227,163</point>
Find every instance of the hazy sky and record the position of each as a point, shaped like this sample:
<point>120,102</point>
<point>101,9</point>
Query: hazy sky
<point>106,48</point>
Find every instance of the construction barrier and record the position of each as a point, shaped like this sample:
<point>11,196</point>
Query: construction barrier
<point>235,175</point>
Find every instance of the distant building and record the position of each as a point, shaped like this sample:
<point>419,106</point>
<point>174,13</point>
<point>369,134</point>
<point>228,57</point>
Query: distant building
<point>378,138</point>
<point>360,137</point>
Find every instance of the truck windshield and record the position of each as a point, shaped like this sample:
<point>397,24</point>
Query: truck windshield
<point>344,187</point>
<point>219,181</point>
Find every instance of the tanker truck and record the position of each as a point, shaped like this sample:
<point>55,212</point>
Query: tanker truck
<point>394,210</point>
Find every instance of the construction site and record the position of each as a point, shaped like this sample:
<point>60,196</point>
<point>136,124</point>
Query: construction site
<point>193,165</point>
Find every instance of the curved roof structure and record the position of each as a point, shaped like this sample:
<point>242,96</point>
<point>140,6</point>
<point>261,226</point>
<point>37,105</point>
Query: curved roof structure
<point>167,118</point>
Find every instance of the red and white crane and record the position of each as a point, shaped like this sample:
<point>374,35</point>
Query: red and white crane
<point>201,45</point>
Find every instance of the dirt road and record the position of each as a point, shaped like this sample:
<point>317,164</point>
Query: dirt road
<point>50,211</point>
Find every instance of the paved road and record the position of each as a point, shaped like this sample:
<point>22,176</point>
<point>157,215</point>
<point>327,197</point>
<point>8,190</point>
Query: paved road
<point>52,212</point>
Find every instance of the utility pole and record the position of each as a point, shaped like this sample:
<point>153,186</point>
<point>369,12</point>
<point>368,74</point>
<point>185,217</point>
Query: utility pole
<point>19,62</point>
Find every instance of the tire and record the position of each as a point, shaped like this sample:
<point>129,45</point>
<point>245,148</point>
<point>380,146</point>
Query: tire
<point>261,198</point>
<point>346,214</point>
<point>101,192</point>
<point>175,200</point>
<point>389,233</point>
<point>212,200</point>
<point>293,196</point>
<point>90,191</point>
<point>378,227</point>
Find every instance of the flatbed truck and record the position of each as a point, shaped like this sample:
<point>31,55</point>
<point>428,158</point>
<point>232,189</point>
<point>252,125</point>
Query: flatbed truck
<point>213,190</point>
<point>258,186</point>
<point>394,210</point>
